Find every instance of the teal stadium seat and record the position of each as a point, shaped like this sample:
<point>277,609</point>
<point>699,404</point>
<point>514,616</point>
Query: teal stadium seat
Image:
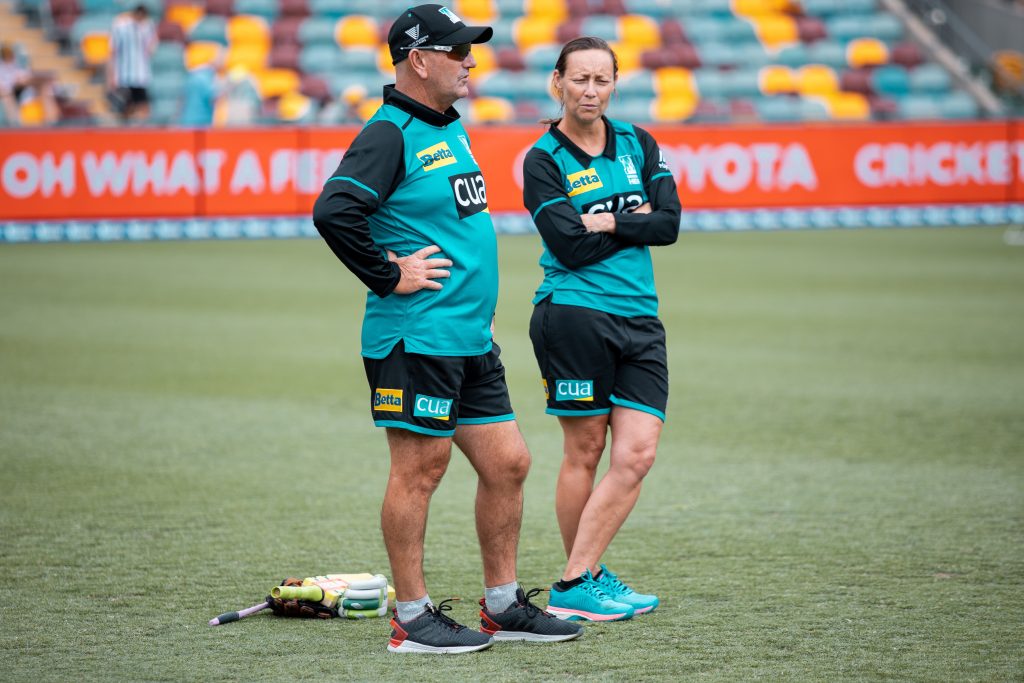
<point>741,83</point>
<point>958,105</point>
<point>504,32</point>
<point>710,83</point>
<point>542,57</point>
<point>90,23</point>
<point>884,27</point>
<point>919,107</point>
<point>359,60</point>
<point>332,9</point>
<point>930,78</point>
<point>168,57</point>
<point>165,111</point>
<point>372,82</point>
<point>632,109</point>
<point>210,28</point>
<point>657,9</point>
<point>318,31</point>
<point>514,86</point>
<point>510,8</point>
<point>602,26</point>
<point>830,8</point>
<point>778,109</point>
<point>268,9</point>
<point>319,58</point>
<point>639,84</point>
<point>711,29</point>
<point>890,79</point>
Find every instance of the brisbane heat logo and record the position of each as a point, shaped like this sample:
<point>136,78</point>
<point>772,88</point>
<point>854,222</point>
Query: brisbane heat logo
<point>435,157</point>
<point>470,193</point>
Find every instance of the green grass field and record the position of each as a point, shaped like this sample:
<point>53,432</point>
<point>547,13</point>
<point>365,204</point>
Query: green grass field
<point>839,492</point>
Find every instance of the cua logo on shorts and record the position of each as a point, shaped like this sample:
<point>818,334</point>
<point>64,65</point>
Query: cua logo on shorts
<point>574,390</point>
<point>388,400</point>
<point>431,406</point>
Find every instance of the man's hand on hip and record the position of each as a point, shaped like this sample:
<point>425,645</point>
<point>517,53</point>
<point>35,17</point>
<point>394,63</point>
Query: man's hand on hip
<point>420,272</point>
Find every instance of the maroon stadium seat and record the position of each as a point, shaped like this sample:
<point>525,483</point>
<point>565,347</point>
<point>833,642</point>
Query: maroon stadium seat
<point>284,56</point>
<point>810,29</point>
<point>315,88</point>
<point>222,8</point>
<point>906,54</point>
<point>294,8</point>
<point>672,32</point>
<point>856,80</point>
<point>568,30</point>
<point>510,59</point>
<point>285,31</point>
<point>169,31</point>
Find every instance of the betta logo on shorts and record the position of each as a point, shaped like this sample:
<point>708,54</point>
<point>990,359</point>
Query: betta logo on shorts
<point>584,181</point>
<point>388,400</point>
<point>435,157</point>
<point>470,193</point>
<point>574,390</point>
<point>431,406</point>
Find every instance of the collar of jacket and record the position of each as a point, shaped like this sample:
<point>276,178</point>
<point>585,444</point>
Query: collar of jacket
<point>415,108</point>
<point>582,157</point>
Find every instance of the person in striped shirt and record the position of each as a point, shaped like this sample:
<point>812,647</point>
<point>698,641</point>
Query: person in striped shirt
<point>132,43</point>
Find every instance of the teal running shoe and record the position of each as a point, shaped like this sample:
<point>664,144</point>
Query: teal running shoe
<point>620,592</point>
<point>586,601</point>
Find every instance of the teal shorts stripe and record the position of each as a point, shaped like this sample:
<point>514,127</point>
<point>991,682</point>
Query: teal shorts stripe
<point>414,428</point>
<point>637,406</point>
<point>577,413</point>
<point>486,420</point>
<point>665,174</point>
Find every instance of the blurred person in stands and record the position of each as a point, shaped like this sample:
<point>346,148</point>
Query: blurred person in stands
<point>240,98</point>
<point>202,88</point>
<point>132,43</point>
<point>19,85</point>
<point>601,195</point>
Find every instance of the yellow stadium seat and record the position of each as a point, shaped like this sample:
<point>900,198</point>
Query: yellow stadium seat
<point>251,56</point>
<point>491,110</point>
<point>639,31</point>
<point>674,106</point>
<point>293,106</point>
<point>473,11</point>
<point>776,30</point>
<point>185,16</point>
<point>95,49</point>
<point>628,57</point>
<point>674,80</point>
<point>777,80</point>
<point>369,107</point>
<point>867,52</point>
<point>755,8</point>
<point>357,31</point>
<point>276,82</point>
<point>816,79</point>
<point>533,31</point>
<point>384,64</point>
<point>485,59</point>
<point>555,10</point>
<point>848,106</point>
<point>245,29</point>
<point>201,52</point>
<point>31,112</point>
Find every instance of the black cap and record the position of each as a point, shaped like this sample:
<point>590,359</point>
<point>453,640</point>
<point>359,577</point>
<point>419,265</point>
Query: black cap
<point>427,25</point>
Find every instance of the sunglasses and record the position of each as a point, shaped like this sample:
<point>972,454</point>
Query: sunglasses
<point>456,52</point>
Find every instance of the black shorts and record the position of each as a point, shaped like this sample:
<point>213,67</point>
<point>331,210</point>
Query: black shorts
<point>432,394</point>
<point>133,96</point>
<point>591,360</point>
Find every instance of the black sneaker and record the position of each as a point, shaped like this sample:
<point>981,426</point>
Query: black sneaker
<point>435,633</point>
<point>523,620</point>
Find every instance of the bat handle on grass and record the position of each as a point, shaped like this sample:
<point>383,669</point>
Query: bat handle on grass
<point>228,617</point>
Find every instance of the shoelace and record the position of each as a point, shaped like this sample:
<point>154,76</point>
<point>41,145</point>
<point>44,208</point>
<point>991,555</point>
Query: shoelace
<point>531,609</point>
<point>613,582</point>
<point>595,589</point>
<point>443,606</point>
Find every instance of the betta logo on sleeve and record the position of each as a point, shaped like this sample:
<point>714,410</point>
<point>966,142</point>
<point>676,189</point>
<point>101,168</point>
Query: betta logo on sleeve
<point>435,157</point>
<point>584,181</point>
<point>388,400</point>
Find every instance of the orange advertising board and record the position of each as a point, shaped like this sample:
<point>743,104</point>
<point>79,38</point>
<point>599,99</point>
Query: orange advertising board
<point>88,174</point>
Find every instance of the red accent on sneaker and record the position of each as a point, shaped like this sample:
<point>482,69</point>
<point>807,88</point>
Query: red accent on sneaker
<point>490,627</point>
<point>399,635</point>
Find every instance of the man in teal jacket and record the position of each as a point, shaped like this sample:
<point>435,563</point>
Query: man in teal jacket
<point>406,212</point>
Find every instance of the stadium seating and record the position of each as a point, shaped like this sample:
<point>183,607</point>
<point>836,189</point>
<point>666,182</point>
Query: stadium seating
<point>680,60</point>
